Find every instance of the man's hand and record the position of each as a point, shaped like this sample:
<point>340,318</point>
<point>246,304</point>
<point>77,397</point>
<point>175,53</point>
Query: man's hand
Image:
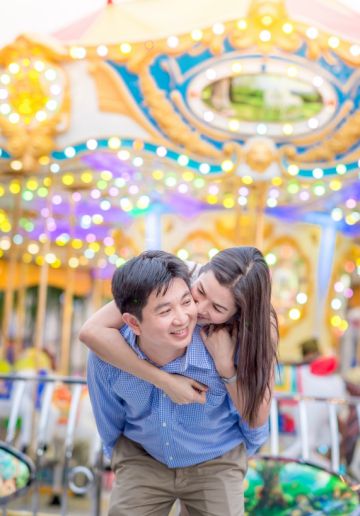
<point>184,390</point>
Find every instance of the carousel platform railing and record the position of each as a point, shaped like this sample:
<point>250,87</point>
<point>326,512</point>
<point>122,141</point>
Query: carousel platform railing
<point>37,440</point>
<point>305,428</point>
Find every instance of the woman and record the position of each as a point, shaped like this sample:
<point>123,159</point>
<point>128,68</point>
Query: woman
<point>233,296</point>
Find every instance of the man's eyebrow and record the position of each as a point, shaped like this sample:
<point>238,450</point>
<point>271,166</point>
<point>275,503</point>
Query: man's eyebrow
<point>214,304</point>
<point>160,306</point>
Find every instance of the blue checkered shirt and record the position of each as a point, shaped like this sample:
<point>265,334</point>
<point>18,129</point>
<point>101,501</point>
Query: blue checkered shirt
<point>176,435</point>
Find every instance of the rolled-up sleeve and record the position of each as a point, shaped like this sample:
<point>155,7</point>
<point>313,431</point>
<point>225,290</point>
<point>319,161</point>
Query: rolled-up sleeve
<point>107,406</point>
<point>254,438</point>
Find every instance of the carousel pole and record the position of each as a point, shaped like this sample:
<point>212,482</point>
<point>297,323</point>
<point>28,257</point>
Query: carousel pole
<point>97,292</point>
<point>21,309</point>
<point>240,229</point>
<point>260,215</point>
<point>42,298</point>
<point>43,284</point>
<point>153,230</point>
<point>13,256</point>
<point>68,304</point>
<point>324,269</point>
<point>67,322</point>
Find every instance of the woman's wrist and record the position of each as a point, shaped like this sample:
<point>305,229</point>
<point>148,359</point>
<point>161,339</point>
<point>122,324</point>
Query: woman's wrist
<point>227,371</point>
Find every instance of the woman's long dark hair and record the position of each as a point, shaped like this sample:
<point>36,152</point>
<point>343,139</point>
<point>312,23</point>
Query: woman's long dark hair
<point>245,272</point>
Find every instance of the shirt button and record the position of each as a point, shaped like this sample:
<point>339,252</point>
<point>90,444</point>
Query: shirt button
<point>164,424</point>
<point>167,443</point>
<point>164,395</point>
<point>171,458</point>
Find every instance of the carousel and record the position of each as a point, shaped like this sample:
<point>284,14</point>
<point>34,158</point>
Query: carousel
<point>189,127</point>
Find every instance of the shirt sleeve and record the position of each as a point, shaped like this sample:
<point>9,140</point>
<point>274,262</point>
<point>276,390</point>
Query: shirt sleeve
<point>254,438</point>
<point>108,408</point>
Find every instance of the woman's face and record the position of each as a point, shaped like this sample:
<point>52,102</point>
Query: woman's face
<point>215,303</point>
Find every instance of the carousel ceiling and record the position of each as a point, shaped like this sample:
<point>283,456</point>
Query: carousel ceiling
<point>140,20</point>
<point>246,106</point>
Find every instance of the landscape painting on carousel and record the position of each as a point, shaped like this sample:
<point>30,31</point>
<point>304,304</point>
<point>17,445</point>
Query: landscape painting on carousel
<point>263,98</point>
<point>280,487</point>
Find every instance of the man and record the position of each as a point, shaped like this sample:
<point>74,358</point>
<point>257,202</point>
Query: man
<point>162,451</point>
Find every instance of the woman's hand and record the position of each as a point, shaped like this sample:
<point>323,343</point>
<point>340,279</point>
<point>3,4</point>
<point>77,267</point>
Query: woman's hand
<point>221,346</point>
<point>184,390</point>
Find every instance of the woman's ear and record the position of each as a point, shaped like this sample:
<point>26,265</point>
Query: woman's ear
<point>132,322</point>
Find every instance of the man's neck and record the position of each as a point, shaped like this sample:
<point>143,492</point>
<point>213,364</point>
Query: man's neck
<point>159,356</point>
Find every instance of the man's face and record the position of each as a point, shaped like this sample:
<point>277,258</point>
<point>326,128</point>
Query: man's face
<point>168,320</point>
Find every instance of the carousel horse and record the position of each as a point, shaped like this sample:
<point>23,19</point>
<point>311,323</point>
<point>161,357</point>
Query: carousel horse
<point>316,379</point>
<point>350,342</point>
<point>85,443</point>
<point>31,362</point>
<point>350,426</point>
<point>85,429</point>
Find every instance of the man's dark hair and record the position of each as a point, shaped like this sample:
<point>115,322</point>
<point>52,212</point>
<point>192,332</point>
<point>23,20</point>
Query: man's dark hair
<point>133,282</point>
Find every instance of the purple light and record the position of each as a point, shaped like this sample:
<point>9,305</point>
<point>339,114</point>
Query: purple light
<point>113,191</point>
<point>90,237</point>
<point>339,287</point>
<point>76,196</point>
<point>274,192</point>
<point>108,241</point>
<point>95,194</point>
<point>183,188</point>
<point>348,292</point>
<point>350,203</point>
<point>106,161</point>
<point>184,205</point>
<point>105,272</point>
<point>57,199</point>
<point>133,189</point>
<point>50,224</point>
<point>304,195</point>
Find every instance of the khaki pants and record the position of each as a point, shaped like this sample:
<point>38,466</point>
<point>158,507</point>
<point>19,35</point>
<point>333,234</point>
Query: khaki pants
<point>144,486</point>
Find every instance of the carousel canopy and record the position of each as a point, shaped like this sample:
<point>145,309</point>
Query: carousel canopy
<point>114,116</point>
<point>101,21</point>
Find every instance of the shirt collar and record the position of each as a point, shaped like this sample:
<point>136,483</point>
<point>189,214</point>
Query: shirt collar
<point>131,339</point>
<point>198,354</point>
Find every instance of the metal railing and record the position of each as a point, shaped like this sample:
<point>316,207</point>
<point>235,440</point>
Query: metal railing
<point>303,405</point>
<point>24,390</point>
<point>25,386</point>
